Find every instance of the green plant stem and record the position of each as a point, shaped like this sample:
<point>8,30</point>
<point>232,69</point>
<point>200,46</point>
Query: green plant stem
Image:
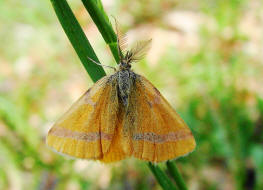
<point>161,177</point>
<point>78,39</point>
<point>100,18</point>
<point>176,175</point>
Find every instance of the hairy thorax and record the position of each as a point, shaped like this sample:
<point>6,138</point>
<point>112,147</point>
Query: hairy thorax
<point>126,79</point>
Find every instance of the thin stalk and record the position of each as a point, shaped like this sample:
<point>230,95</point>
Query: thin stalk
<point>161,177</point>
<point>77,38</point>
<point>173,170</point>
<point>100,18</point>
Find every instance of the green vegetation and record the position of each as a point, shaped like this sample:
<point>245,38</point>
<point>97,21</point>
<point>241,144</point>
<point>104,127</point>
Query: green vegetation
<point>206,60</point>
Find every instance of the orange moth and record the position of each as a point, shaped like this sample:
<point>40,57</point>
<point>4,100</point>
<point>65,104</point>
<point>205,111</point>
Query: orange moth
<point>122,115</point>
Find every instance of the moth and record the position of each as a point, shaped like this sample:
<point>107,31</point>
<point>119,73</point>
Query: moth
<point>122,115</point>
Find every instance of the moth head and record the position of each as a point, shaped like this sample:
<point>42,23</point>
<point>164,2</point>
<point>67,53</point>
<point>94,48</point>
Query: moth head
<point>124,65</point>
<point>126,60</point>
<point>136,53</point>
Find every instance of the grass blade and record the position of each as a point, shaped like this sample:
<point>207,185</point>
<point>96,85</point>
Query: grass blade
<point>176,175</point>
<point>161,177</point>
<point>100,18</point>
<point>78,39</point>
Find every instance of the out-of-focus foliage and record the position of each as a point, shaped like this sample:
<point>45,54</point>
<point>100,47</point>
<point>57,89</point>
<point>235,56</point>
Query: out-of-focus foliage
<point>206,59</point>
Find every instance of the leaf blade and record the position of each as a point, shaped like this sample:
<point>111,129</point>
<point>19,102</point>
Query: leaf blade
<point>77,38</point>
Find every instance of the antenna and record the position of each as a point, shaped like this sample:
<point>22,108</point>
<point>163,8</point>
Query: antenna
<point>101,64</point>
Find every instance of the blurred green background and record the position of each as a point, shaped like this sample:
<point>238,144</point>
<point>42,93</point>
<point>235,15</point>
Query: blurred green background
<point>206,59</point>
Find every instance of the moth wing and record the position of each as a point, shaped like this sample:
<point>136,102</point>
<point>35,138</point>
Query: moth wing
<point>157,132</point>
<point>116,151</point>
<point>87,129</point>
